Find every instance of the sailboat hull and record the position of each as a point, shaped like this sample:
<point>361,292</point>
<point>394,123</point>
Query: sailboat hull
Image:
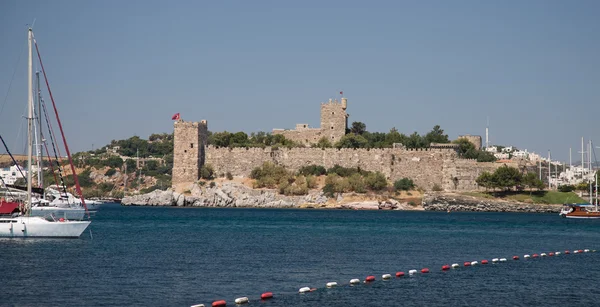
<point>37,227</point>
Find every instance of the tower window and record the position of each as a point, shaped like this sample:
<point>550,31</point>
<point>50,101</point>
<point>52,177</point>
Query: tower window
<point>332,113</point>
<point>331,127</point>
<point>191,145</point>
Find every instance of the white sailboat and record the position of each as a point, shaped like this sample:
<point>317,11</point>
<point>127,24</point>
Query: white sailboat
<point>25,225</point>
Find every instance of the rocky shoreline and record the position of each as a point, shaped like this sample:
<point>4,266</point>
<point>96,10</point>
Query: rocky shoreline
<point>235,195</point>
<point>443,201</point>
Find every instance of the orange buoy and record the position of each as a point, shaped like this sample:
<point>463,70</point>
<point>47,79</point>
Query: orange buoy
<point>219,303</point>
<point>445,267</point>
<point>515,257</point>
<point>370,278</point>
<point>424,270</point>
<point>61,219</point>
<point>484,261</point>
<point>467,263</point>
<point>266,295</point>
<point>567,252</point>
<point>399,274</point>
<point>313,289</point>
<point>535,255</point>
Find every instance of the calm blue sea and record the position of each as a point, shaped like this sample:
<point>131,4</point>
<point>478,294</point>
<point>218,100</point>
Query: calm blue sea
<point>183,256</point>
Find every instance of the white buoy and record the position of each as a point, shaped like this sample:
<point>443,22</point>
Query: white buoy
<point>241,300</point>
<point>199,305</point>
<point>495,260</point>
<point>474,263</point>
<point>575,252</point>
<point>455,265</point>
<point>304,290</point>
<point>386,276</point>
<point>593,250</point>
<point>412,272</point>
<point>557,253</point>
<point>526,256</point>
<point>354,281</point>
<point>502,259</point>
<point>331,284</point>
<point>543,255</point>
<point>586,250</point>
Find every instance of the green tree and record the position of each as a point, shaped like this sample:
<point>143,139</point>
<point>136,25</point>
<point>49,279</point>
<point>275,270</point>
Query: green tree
<point>485,180</point>
<point>352,141</point>
<point>323,143</point>
<point>507,177</point>
<point>404,184</point>
<point>436,135</point>
<point>358,128</point>
<point>415,141</point>
<point>207,172</point>
<point>113,162</point>
<point>376,181</point>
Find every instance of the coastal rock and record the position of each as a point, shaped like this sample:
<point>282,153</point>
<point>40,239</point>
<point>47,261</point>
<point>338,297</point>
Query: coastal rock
<point>457,202</point>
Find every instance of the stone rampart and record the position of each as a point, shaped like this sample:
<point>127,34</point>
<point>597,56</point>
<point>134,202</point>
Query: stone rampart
<point>426,167</point>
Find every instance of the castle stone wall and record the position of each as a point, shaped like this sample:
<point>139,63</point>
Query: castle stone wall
<point>425,167</point>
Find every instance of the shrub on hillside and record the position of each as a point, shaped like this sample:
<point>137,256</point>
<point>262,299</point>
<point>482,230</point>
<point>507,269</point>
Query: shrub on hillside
<point>566,188</point>
<point>229,176</point>
<point>207,172</point>
<point>357,183</point>
<point>270,175</point>
<point>110,172</point>
<point>376,181</point>
<point>346,171</point>
<point>315,170</point>
<point>404,184</point>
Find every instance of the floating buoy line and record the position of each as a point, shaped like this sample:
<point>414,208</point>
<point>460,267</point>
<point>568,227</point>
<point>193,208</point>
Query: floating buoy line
<point>387,277</point>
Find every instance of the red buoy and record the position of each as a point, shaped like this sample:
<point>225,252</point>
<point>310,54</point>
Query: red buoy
<point>535,255</point>
<point>370,278</point>
<point>550,254</point>
<point>266,295</point>
<point>219,303</point>
<point>445,267</point>
<point>567,252</point>
<point>313,289</point>
<point>425,270</point>
<point>484,261</point>
<point>580,251</point>
<point>399,274</point>
<point>515,257</point>
<point>467,263</point>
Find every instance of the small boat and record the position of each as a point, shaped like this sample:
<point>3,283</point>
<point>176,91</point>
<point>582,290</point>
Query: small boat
<point>580,211</point>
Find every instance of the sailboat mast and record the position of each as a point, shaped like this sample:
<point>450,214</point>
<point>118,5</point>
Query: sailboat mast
<point>29,117</point>
<point>38,133</point>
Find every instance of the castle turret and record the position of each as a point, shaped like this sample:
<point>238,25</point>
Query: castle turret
<point>334,120</point>
<point>189,141</point>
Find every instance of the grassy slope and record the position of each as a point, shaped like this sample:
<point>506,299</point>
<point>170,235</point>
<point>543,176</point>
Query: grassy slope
<point>544,197</point>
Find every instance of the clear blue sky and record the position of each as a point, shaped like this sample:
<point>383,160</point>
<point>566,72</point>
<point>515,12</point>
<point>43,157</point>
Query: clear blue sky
<point>123,68</point>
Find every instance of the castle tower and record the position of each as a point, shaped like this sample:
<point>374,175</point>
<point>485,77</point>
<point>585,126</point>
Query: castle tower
<point>334,119</point>
<point>189,141</point>
<point>474,139</point>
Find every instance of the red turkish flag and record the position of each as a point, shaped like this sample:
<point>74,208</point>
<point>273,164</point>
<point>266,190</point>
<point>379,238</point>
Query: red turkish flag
<point>175,117</point>
<point>342,93</point>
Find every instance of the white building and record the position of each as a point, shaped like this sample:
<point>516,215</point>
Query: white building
<point>11,174</point>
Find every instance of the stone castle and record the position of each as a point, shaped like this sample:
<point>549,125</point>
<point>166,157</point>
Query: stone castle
<point>438,165</point>
<point>334,122</point>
